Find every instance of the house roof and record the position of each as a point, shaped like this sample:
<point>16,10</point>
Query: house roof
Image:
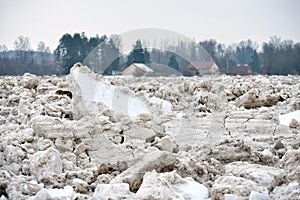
<point>143,67</point>
<point>163,70</point>
<point>201,65</point>
<point>134,67</point>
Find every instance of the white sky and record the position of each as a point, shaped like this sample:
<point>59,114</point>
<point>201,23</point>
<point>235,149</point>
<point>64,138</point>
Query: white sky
<point>227,21</point>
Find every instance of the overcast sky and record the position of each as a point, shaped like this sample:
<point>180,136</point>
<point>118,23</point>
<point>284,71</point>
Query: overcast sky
<point>227,21</point>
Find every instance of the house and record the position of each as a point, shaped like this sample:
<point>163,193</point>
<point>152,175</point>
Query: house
<point>202,68</point>
<point>162,70</point>
<point>240,70</point>
<point>137,69</point>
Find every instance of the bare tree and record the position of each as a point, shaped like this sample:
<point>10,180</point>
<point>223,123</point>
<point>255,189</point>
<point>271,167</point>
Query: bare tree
<point>43,48</point>
<point>3,48</point>
<point>22,43</point>
<point>117,40</point>
<point>23,48</point>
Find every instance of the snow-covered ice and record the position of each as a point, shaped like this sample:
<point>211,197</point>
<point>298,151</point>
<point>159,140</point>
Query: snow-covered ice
<point>95,90</point>
<point>286,119</point>
<point>87,136</point>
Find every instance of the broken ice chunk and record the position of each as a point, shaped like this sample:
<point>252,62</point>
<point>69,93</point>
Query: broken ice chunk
<point>90,89</point>
<point>287,118</point>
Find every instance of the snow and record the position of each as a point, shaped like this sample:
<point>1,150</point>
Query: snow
<point>193,190</point>
<point>286,119</point>
<point>96,90</point>
<point>115,99</point>
<point>119,101</point>
<point>232,197</point>
<point>170,185</point>
<point>194,127</point>
<point>143,67</point>
<point>257,195</point>
<point>99,91</point>
<point>136,106</point>
<point>104,93</point>
<point>112,191</point>
<point>66,193</point>
<point>166,106</point>
<point>87,87</point>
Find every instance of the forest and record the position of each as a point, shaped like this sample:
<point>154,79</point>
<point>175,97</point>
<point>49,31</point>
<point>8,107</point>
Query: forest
<point>274,57</point>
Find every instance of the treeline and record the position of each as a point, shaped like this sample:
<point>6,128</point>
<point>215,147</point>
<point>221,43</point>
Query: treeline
<point>276,57</point>
<point>281,57</point>
<point>19,62</point>
<point>23,59</point>
<point>77,48</point>
<point>104,55</point>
